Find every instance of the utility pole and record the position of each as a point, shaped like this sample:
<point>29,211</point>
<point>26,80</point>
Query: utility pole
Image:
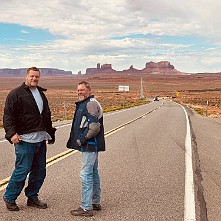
<point>65,111</point>
<point>141,88</point>
<point>207,103</point>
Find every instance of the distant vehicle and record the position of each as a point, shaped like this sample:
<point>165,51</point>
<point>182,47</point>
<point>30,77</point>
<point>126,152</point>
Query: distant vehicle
<point>156,98</point>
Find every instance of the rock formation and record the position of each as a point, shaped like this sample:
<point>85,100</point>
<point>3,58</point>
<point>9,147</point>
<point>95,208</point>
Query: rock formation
<point>162,67</point>
<point>105,68</point>
<point>20,72</point>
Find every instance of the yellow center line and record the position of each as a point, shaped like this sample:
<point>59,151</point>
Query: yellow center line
<point>52,160</point>
<point>113,131</point>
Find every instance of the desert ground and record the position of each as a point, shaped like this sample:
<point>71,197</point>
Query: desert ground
<point>201,92</point>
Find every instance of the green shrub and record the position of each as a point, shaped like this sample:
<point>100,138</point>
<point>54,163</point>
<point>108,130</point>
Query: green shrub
<point>199,110</point>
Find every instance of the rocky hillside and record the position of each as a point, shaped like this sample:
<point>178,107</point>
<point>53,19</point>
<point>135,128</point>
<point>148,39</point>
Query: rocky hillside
<point>162,67</point>
<point>20,72</point>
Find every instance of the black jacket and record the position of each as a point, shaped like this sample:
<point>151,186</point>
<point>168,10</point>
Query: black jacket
<point>79,132</point>
<point>21,114</point>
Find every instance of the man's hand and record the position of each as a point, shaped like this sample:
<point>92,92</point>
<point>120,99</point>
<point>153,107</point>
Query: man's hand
<point>52,137</point>
<point>15,138</point>
<point>82,140</point>
<point>78,142</point>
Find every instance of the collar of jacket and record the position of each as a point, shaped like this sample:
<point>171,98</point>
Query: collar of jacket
<point>39,88</point>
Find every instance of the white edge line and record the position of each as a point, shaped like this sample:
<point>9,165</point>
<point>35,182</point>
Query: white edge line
<point>189,198</point>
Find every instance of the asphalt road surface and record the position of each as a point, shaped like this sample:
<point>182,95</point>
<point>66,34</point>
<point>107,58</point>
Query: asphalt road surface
<point>162,162</point>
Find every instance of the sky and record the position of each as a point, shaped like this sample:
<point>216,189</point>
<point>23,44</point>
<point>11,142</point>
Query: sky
<point>73,35</point>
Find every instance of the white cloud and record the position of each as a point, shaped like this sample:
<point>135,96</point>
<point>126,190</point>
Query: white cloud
<point>87,28</point>
<point>25,32</point>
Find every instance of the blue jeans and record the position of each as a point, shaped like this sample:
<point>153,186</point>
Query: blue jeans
<point>90,180</point>
<point>30,159</point>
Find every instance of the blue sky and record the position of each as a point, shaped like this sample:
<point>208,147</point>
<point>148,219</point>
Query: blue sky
<point>73,35</point>
<point>17,35</point>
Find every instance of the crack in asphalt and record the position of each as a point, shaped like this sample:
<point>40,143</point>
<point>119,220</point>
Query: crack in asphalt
<point>198,177</point>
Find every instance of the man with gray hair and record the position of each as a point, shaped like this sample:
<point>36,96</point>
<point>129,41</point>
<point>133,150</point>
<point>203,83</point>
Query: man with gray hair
<point>87,136</point>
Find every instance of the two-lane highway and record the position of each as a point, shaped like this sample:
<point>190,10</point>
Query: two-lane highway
<point>144,172</point>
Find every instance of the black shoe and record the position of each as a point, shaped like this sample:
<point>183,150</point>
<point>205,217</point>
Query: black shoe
<point>96,206</point>
<point>11,206</point>
<point>81,212</point>
<point>35,202</point>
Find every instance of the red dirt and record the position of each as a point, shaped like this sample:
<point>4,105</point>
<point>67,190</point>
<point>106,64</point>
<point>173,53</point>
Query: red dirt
<point>193,90</point>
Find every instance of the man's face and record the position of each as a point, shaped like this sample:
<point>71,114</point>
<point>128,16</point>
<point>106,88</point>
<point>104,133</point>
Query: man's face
<point>32,79</point>
<point>83,92</point>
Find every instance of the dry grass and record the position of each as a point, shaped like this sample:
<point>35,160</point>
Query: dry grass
<point>194,90</point>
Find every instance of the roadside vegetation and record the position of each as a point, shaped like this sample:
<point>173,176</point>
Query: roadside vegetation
<point>62,103</point>
<point>200,111</point>
<point>207,104</point>
<point>195,91</point>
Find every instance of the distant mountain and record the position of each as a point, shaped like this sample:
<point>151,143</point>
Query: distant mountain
<point>20,72</point>
<point>162,67</point>
<point>151,68</point>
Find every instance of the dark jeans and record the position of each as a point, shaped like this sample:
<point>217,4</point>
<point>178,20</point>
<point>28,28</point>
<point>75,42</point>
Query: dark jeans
<point>30,159</point>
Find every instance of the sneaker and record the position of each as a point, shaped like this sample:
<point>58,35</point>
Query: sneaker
<point>96,206</point>
<point>11,206</point>
<point>35,202</point>
<point>81,212</point>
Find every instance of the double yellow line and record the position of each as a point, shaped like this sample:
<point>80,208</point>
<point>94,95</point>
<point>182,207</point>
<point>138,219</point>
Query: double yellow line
<point>67,153</point>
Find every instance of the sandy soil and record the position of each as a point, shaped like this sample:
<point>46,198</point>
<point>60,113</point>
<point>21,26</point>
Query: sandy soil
<point>202,92</point>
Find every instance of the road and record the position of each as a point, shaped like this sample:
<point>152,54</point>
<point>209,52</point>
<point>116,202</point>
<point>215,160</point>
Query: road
<point>162,162</point>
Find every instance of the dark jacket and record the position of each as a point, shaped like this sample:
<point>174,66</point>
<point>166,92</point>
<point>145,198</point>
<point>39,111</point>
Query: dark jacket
<point>21,113</point>
<point>82,121</point>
